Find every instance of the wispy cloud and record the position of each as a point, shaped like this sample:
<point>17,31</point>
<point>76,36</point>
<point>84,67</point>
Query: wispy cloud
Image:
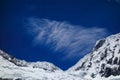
<point>74,40</point>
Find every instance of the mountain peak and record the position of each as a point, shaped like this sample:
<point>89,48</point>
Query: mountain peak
<point>104,60</point>
<point>113,39</point>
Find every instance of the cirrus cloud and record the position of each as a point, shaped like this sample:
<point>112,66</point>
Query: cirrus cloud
<point>73,40</point>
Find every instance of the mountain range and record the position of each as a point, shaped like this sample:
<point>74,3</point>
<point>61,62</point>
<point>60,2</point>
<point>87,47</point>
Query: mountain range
<point>103,63</point>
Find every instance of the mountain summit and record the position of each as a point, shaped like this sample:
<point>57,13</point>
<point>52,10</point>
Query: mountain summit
<point>103,63</point>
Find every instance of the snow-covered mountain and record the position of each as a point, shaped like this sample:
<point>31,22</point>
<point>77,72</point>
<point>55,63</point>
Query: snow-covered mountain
<point>21,63</point>
<point>15,69</point>
<point>103,63</point>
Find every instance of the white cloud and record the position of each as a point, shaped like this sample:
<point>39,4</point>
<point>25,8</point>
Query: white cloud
<point>74,40</point>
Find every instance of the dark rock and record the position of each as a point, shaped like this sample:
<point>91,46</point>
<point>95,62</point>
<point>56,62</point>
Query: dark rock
<point>99,44</point>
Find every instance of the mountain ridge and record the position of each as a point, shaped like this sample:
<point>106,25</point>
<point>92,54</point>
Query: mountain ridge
<point>23,63</point>
<point>102,63</point>
<point>103,60</point>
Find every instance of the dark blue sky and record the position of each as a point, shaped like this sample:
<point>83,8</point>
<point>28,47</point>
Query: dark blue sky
<point>14,37</point>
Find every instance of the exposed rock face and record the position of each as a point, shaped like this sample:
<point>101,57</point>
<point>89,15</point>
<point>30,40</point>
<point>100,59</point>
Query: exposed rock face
<point>104,60</point>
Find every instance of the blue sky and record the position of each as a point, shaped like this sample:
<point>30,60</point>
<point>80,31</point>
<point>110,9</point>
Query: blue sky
<point>57,31</point>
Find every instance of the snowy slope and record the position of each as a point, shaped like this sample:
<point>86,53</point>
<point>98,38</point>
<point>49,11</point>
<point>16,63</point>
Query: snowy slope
<point>21,63</point>
<point>103,61</point>
<point>14,69</point>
